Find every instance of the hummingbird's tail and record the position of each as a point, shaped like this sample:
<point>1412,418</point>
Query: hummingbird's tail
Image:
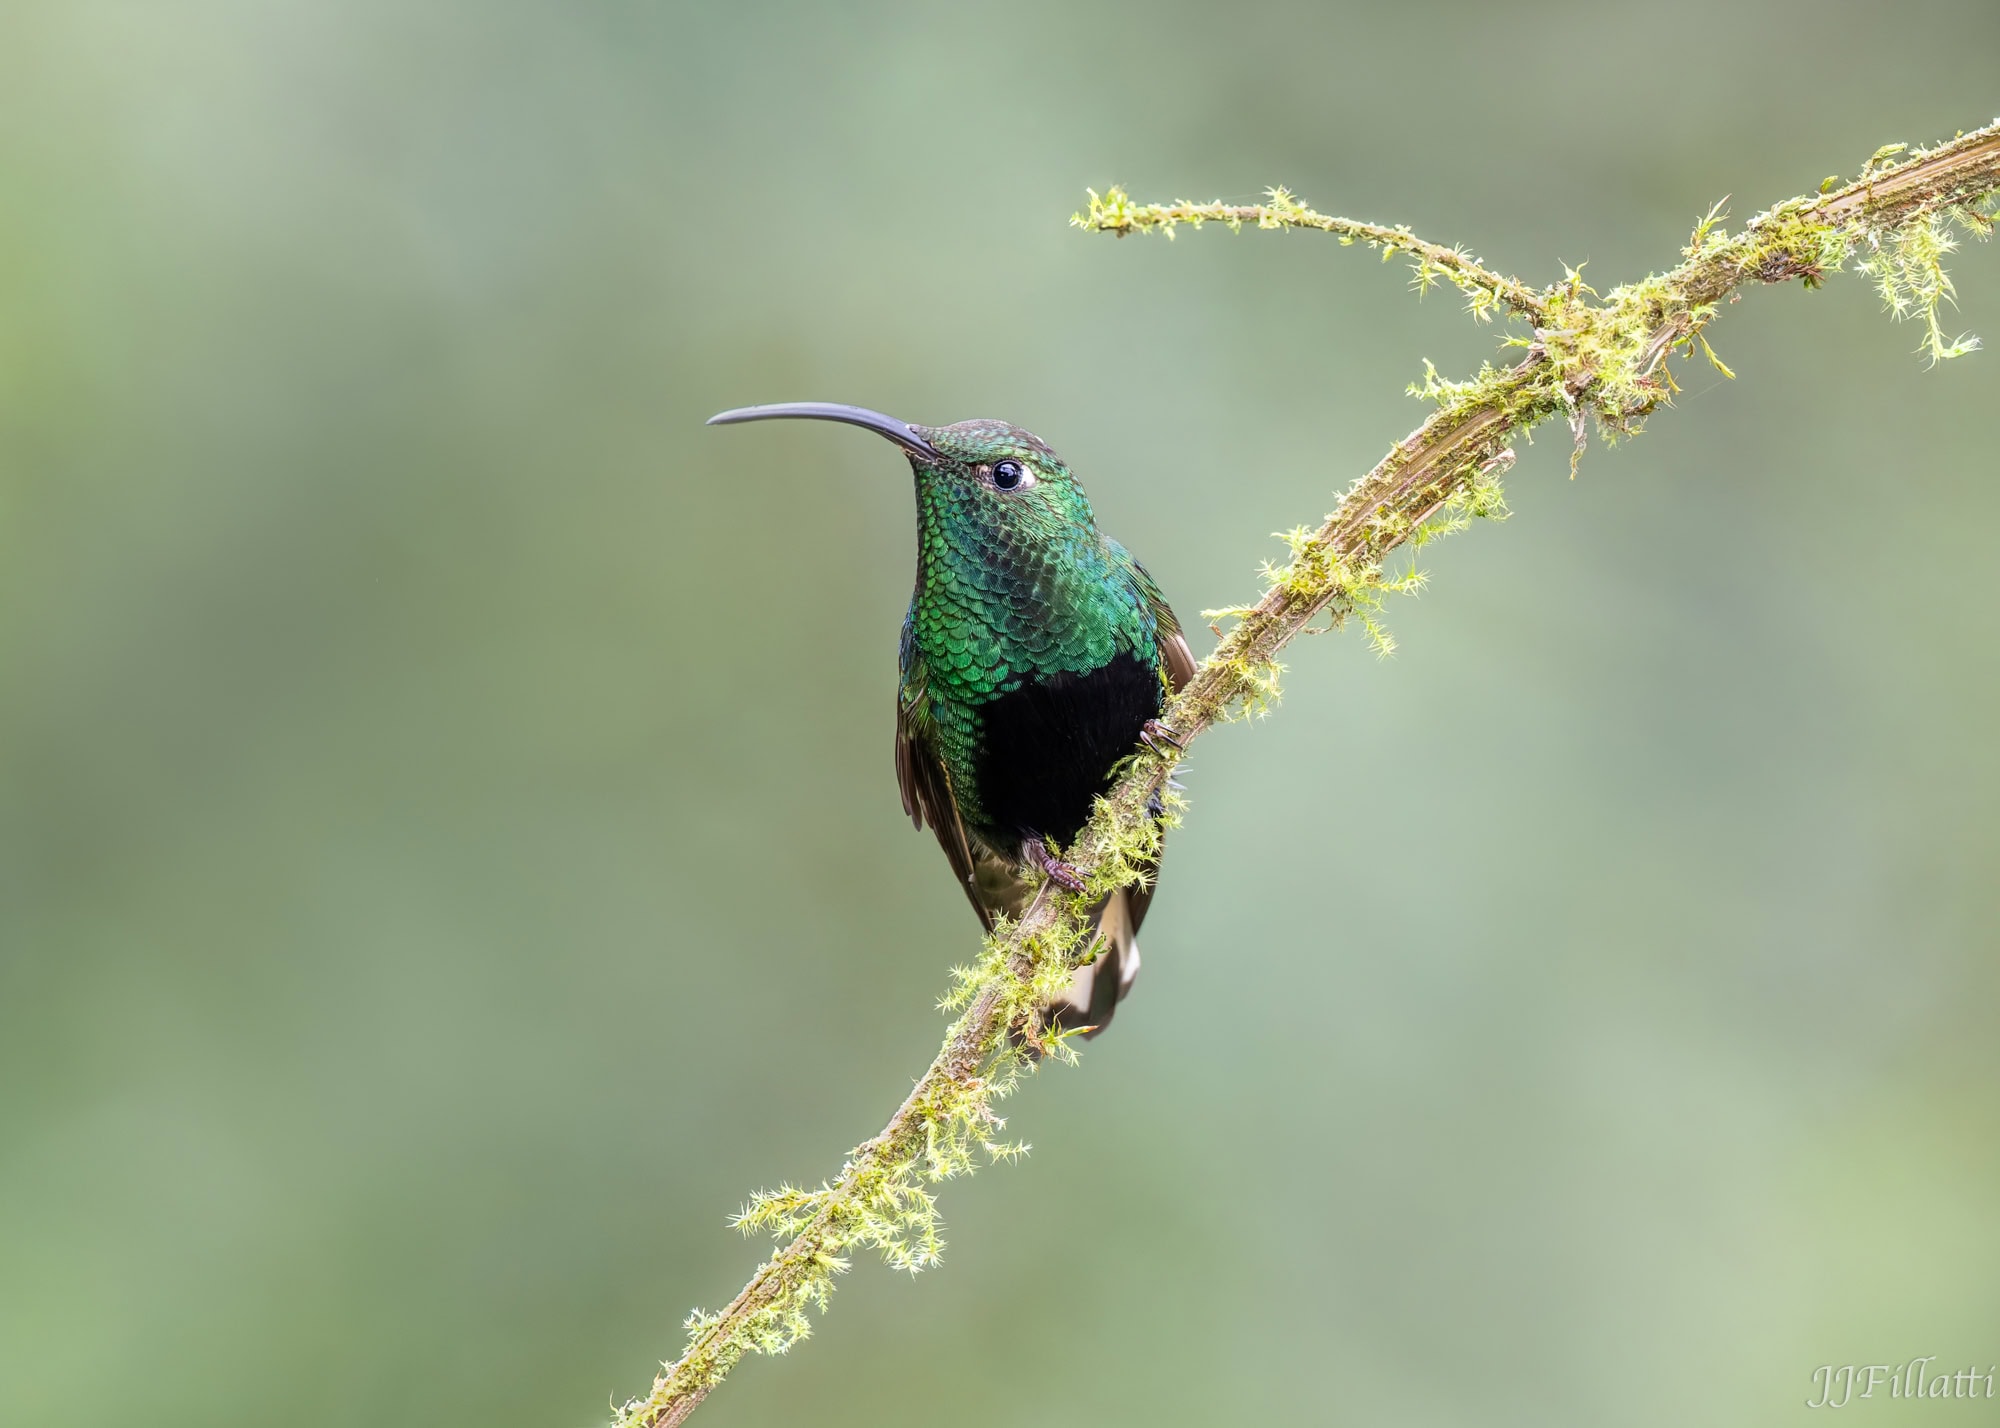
<point>1096,988</point>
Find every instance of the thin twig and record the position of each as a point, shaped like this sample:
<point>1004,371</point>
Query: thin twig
<point>1117,214</point>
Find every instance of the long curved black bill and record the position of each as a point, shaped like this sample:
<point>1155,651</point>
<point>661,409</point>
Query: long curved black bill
<point>900,432</point>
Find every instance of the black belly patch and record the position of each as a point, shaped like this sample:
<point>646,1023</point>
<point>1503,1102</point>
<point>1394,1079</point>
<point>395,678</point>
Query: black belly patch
<point>1047,748</point>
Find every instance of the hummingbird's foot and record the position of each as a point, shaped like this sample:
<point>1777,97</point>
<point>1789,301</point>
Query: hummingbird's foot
<point>1037,856</point>
<point>1153,733</point>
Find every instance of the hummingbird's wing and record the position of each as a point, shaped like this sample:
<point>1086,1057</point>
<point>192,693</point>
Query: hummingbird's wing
<point>1175,655</point>
<point>926,790</point>
<point>1177,664</point>
<point>921,776</point>
<point>1176,659</point>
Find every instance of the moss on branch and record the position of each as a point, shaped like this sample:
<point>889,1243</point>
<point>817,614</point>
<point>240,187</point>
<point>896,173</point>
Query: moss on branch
<point>1585,358</point>
<point>1115,212</point>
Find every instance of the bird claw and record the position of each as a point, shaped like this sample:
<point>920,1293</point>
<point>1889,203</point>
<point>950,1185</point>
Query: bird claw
<point>1154,733</point>
<point>1063,875</point>
<point>1051,867</point>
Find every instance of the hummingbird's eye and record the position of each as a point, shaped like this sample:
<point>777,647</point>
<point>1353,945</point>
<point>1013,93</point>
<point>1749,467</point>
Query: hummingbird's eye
<point>1008,475</point>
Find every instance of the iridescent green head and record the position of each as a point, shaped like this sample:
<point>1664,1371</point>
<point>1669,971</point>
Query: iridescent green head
<point>992,468</point>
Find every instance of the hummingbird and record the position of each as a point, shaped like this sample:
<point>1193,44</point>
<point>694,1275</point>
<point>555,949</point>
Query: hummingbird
<point>1037,653</point>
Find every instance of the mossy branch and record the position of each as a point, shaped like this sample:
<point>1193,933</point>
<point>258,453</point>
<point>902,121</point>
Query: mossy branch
<point>1585,358</point>
<point>1116,213</point>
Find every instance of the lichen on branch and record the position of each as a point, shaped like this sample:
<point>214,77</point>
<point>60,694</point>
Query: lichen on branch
<point>1585,358</point>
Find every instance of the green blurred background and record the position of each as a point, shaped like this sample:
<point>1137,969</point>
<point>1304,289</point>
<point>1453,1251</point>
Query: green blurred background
<point>448,847</point>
